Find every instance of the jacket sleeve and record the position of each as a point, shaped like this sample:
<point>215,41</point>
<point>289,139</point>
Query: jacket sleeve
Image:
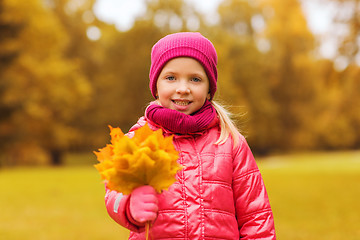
<point>117,206</point>
<point>253,211</point>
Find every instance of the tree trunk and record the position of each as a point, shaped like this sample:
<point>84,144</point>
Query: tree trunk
<point>56,157</point>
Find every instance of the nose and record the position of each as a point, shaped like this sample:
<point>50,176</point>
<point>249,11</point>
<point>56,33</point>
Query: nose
<point>183,88</point>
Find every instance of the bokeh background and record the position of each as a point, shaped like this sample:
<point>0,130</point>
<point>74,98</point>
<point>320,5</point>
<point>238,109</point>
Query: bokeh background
<point>66,74</point>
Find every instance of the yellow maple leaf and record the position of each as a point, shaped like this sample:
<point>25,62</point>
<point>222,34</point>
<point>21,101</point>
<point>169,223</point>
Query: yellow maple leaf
<point>148,158</point>
<point>104,153</point>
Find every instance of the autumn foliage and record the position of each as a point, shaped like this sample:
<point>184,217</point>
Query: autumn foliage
<point>60,87</point>
<point>148,158</point>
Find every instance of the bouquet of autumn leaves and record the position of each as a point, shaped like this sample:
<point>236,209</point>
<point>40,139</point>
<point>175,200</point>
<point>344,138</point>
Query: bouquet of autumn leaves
<point>148,158</point>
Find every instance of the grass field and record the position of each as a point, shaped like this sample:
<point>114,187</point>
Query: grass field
<point>313,196</point>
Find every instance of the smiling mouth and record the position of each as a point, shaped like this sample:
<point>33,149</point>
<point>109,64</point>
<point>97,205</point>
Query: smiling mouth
<point>181,102</point>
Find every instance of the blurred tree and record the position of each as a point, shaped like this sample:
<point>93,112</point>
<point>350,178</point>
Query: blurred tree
<point>88,39</point>
<point>351,106</point>
<point>47,88</point>
<point>338,118</point>
<point>172,16</point>
<point>266,49</point>
<point>236,18</point>
<point>241,80</point>
<point>289,68</point>
<point>344,88</point>
<point>265,63</point>
<point>65,75</point>
<point>8,53</point>
<point>347,17</point>
<point>8,30</point>
<point>126,94</point>
<point>337,122</point>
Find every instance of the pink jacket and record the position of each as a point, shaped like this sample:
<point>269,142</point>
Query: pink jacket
<point>219,194</point>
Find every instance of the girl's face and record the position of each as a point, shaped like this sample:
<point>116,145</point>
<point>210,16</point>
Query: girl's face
<point>183,85</point>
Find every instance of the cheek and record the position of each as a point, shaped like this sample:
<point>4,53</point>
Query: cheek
<point>203,93</point>
<point>161,88</point>
<point>163,96</point>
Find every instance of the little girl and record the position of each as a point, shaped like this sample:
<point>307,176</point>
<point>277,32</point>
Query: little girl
<point>219,194</point>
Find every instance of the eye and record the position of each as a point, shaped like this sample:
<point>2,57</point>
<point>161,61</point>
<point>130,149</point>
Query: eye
<point>196,79</point>
<point>170,78</point>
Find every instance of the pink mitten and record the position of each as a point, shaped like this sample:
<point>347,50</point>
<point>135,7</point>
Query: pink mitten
<point>143,204</point>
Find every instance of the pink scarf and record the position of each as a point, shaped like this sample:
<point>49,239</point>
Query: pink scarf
<point>181,123</point>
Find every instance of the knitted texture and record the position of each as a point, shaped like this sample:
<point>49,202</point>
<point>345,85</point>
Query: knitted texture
<point>184,44</point>
<point>181,123</point>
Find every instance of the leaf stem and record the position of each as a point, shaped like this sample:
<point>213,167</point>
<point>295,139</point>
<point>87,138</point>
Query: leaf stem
<point>147,228</point>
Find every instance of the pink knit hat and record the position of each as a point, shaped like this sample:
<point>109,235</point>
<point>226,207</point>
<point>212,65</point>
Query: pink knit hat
<point>184,44</point>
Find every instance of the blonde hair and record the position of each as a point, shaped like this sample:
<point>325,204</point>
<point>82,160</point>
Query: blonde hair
<point>227,125</point>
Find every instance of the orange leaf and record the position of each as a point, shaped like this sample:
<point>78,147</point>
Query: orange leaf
<point>148,158</point>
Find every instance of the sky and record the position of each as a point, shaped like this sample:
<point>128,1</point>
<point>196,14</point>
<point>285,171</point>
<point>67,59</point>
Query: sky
<point>122,14</point>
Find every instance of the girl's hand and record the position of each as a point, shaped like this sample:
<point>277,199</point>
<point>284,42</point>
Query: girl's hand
<point>143,204</point>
